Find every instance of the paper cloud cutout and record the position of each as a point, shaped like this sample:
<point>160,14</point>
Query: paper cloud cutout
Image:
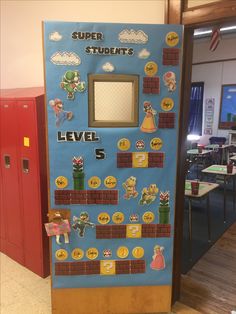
<point>132,36</point>
<point>65,58</point>
<point>108,67</point>
<point>143,54</point>
<point>232,90</point>
<point>55,36</point>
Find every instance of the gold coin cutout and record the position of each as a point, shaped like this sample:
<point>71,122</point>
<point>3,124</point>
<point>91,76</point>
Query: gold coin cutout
<point>104,218</point>
<point>156,143</point>
<point>110,182</point>
<point>77,254</point>
<point>148,217</point>
<point>92,253</point>
<point>138,252</point>
<point>150,68</point>
<point>118,217</point>
<point>172,39</point>
<point>167,104</point>
<point>122,252</point>
<point>61,255</point>
<point>61,182</point>
<point>123,144</point>
<point>94,182</point>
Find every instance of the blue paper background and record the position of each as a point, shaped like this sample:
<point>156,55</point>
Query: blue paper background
<point>61,154</point>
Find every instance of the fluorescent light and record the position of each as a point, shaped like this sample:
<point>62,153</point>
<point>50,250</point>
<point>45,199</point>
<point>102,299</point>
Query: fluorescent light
<point>229,28</point>
<point>223,29</point>
<point>193,137</point>
<point>198,33</point>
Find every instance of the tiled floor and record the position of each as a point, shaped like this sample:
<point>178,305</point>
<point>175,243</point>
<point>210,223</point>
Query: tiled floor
<point>22,292</point>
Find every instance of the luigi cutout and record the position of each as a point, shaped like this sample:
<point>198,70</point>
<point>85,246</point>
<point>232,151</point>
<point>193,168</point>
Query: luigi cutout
<point>71,84</point>
<point>81,222</point>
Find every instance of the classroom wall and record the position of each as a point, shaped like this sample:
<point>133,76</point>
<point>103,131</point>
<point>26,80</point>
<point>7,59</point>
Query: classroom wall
<point>21,32</point>
<point>214,74</point>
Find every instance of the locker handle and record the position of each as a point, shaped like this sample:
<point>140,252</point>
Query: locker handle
<point>25,165</point>
<point>7,161</point>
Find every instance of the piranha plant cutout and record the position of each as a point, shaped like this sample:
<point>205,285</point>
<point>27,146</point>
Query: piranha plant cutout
<point>71,84</point>
<point>78,173</point>
<point>60,114</point>
<point>148,195</point>
<point>57,227</point>
<point>149,124</point>
<point>158,260</point>
<point>130,188</point>
<point>164,208</point>
<point>81,222</point>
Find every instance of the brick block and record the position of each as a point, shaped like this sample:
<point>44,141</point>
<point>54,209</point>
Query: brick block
<point>149,231</point>
<point>118,232</point>
<point>92,268</point>
<point>62,202</point>
<point>151,85</point>
<point>137,266</point>
<point>122,267</point>
<point>103,232</point>
<point>62,269</point>
<point>155,160</point>
<point>166,120</point>
<point>78,268</point>
<point>163,230</point>
<point>124,160</point>
<point>170,56</point>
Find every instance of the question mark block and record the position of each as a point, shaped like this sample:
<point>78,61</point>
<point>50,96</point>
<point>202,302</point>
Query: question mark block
<point>134,231</point>
<point>107,267</point>
<point>140,159</point>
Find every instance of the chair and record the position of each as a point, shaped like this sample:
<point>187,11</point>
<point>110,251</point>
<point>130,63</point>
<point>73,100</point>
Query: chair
<point>220,140</point>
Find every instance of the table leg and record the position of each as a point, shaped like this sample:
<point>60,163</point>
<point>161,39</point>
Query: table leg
<point>208,218</point>
<point>197,168</point>
<point>224,199</point>
<point>190,227</point>
<point>234,191</point>
<point>227,156</point>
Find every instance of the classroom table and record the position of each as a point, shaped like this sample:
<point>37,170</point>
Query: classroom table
<point>223,149</point>
<point>222,171</point>
<point>194,154</point>
<point>233,158</point>
<point>204,189</point>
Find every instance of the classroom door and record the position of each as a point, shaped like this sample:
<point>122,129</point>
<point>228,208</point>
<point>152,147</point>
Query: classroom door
<point>112,105</point>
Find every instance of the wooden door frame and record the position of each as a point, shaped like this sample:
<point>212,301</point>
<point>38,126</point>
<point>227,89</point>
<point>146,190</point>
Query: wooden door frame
<point>192,18</point>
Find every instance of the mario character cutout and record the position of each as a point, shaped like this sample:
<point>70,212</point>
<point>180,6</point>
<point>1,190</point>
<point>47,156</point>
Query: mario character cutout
<point>60,114</point>
<point>149,124</point>
<point>170,81</point>
<point>158,260</point>
<point>130,188</point>
<point>81,222</point>
<point>148,195</point>
<point>57,227</point>
<point>71,84</point>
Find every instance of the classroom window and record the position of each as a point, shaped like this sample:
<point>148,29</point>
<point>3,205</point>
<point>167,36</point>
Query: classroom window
<point>113,100</point>
<point>196,108</point>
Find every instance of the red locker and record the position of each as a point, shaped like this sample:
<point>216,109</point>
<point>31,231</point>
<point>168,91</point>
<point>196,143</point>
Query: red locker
<point>23,174</point>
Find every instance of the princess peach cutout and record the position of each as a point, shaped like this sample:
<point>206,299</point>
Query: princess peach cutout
<point>148,124</point>
<point>158,260</point>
